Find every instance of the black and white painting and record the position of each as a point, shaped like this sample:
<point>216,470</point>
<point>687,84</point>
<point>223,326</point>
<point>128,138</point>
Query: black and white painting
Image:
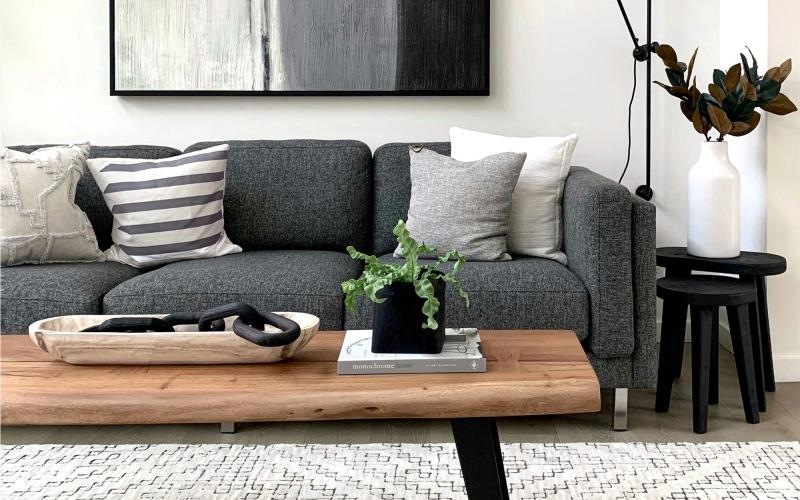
<point>424,47</point>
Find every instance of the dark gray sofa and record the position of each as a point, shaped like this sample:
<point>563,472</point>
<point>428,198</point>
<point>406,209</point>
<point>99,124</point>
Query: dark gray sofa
<point>294,206</point>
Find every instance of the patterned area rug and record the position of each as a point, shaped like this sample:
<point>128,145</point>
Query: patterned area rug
<point>387,471</point>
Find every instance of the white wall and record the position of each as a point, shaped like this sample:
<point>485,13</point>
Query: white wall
<point>783,200</point>
<point>744,23</point>
<point>557,67</point>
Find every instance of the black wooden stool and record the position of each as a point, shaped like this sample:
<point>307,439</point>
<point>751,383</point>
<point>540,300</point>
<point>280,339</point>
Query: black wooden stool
<point>752,267</point>
<point>704,295</point>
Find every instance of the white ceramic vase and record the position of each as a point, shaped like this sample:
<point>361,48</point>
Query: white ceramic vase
<point>714,191</point>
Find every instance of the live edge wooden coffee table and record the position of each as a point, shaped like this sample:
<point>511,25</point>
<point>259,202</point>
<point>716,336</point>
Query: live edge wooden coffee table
<point>528,373</point>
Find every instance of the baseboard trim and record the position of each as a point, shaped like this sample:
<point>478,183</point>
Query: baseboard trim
<point>786,366</point>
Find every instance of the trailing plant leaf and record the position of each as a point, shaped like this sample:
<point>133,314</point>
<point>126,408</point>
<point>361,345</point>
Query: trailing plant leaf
<point>781,105</point>
<point>425,290</point>
<point>377,275</point>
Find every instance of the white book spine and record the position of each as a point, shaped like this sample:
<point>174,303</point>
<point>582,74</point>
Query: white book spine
<point>466,365</point>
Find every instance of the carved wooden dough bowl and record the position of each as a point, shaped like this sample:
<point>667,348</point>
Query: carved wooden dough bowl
<point>62,338</point>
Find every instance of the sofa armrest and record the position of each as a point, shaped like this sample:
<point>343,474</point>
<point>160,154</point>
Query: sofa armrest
<point>597,241</point>
<point>645,359</point>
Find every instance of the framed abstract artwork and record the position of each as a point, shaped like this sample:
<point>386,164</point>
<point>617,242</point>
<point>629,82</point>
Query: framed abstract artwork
<point>299,47</point>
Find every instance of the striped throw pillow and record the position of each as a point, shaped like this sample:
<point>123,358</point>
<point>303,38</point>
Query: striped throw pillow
<point>165,210</point>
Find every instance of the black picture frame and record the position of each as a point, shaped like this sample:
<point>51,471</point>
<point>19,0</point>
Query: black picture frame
<point>113,91</point>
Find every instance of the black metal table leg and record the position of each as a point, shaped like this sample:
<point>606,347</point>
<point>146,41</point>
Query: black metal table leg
<point>743,354</point>
<point>766,342</point>
<point>481,459</point>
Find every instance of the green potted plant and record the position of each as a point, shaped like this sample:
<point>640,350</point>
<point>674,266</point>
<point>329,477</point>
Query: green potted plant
<point>729,107</point>
<point>409,298</point>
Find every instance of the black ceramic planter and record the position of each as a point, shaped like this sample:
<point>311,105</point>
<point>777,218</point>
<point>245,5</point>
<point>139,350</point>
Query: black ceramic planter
<point>397,324</point>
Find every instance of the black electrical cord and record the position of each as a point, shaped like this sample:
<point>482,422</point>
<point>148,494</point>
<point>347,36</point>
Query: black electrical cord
<point>630,109</point>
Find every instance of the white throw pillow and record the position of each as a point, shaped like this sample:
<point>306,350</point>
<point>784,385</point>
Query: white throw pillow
<point>535,225</point>
<point>40,221</point>
<point>165,210</point>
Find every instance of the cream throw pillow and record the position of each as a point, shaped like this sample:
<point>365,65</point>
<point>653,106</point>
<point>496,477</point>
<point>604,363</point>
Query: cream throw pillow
<point>535,225</point>
<point>39,220</point>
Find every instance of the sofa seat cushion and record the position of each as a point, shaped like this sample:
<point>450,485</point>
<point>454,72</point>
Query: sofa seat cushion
<point>527,292</point>
<point>31,293</point>
<point>269,280</point>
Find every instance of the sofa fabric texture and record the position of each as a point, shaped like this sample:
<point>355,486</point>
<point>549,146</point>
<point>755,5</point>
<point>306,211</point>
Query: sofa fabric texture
<point>40,221</point>
<point>645,362</point>
<point>446,210</point>
<point>165,210</point>
<point>295,205</point>
<point>30,293</point>
<point>269,280</point>
<point>597,241</point>
<point>527,292</point>
<point>299,194</point>
<point>89,197</point>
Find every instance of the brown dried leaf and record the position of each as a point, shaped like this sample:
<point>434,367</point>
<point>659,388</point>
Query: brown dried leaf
<point>720,120</point>
<point>691,65</point>
<point>750,92</point>
<point>785,69</point>
<point>716,92</point>
<point>733,77</point>
<point>699,123</point>
<point>754,120</point>
<point>740,128</point>
<point>781,105</point>
<point>687,110</point>
<point>772,74</point>
<point>668,55</point>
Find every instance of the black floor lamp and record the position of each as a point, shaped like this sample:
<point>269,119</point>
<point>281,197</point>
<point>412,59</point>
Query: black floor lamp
<point>642,53</point>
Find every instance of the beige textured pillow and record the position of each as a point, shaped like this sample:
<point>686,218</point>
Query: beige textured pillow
<point>39,220</point>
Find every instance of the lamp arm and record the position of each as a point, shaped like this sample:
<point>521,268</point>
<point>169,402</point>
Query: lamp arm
<point>628,23</point>
<point>642,53</point>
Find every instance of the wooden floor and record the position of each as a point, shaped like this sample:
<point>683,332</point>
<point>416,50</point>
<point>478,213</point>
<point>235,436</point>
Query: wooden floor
<point>725,423</point>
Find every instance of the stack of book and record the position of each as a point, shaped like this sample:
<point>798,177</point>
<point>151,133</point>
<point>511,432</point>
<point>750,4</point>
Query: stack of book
<point>461,353</point>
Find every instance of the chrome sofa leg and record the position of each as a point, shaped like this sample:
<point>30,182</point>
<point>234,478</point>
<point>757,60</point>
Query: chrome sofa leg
<point>620,409</point>
<point>227,427</point>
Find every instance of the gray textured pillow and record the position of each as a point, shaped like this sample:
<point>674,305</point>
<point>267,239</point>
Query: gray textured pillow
<point>462,205</point>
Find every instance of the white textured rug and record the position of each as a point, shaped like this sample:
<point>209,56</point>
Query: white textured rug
<point>395,471</point>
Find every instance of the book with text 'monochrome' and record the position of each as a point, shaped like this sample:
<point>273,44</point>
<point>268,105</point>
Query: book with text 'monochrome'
<point>461,354</point>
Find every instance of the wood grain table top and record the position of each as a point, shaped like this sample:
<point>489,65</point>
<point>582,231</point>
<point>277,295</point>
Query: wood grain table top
<point>528,373</point>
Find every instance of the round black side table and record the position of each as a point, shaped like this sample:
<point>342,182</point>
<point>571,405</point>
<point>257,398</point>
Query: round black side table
<point>752,267</point>
<point>704,295</point>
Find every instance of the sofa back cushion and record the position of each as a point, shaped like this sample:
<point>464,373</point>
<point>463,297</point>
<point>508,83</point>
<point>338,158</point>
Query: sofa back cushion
<point>88,196</point>
<point>297,194</point>
<point>393,190</point>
